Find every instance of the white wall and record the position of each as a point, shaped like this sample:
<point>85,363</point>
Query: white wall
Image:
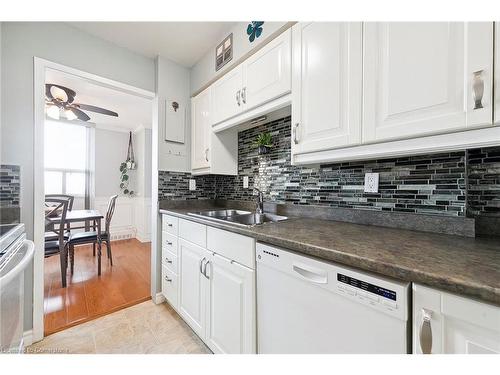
<point>173,84</point>
<point>204,70</point>
<point>110,151</point>
<point>66,45</point>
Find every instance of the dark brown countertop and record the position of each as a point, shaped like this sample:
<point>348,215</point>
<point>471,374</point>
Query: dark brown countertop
<point>466,266</point>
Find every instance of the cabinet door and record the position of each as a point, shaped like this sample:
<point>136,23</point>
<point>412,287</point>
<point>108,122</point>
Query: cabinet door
<point>169,287</point>
<point>226,95</point>
<point>418,78</point>
<point>326,85</point>
<point>231,324</point>
<point>192,286</point>
<point>200,130</point>
<point>445,323</point>
<point>267,74</point>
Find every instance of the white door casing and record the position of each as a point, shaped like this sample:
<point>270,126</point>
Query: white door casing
<point>417,78</point>
<point>326,85</point>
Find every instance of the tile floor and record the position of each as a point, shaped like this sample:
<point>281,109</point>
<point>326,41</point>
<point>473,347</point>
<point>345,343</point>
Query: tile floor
<point>141,329</point>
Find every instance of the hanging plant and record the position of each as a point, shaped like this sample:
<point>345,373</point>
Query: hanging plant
<point>264,142</point>
<point>125,180</point>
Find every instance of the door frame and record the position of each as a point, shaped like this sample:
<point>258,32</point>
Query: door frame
<point>40,67</point>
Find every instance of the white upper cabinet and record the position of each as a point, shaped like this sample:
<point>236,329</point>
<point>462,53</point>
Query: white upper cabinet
<point>210,152</point>
<point>231,307</point>
<point>264,76</point>
<point>444,323</point>
<point>226,95</point>
<point>326,85</point>
<point>267,73</point>
<point>424,78</point>
<point>200,130</point>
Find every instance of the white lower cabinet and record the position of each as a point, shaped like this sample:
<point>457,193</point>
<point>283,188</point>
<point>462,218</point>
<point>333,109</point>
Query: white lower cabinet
<point>444,323</point>
<point>216,294</point>
<point>231,322</point>
<point>192,286</point>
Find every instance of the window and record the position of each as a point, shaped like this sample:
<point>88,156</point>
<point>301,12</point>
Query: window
<point>66,158</point>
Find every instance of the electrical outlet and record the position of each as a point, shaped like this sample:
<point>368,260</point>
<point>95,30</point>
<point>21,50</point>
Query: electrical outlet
<point>371,182</point>
<point>245,182</point>
<point>192,184</point>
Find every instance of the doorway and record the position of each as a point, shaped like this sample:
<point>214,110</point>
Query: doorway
<point>86,165</point>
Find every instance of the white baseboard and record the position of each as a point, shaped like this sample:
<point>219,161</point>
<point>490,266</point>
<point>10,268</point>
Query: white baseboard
<point>159,298</point>
<point>143,237</point>
<point>28,338</point>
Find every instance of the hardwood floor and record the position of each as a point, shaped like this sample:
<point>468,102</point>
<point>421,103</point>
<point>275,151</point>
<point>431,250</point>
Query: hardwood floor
<point>88,296</point>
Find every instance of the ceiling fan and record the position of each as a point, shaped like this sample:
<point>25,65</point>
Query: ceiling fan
<point>60,100</point>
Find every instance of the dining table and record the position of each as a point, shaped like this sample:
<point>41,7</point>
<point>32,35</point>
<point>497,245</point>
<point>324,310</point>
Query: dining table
<point>81,216</point>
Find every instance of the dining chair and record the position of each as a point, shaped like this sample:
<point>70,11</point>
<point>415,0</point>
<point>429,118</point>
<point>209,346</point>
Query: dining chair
<point>50,235</point>
<point>58,245</point>
<point>91,236</point>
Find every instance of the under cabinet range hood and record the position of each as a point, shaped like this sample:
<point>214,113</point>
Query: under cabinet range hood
<point>255,120</point>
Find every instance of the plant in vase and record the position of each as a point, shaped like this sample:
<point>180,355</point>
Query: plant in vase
<point>264,143</point>
<point>125,180</point>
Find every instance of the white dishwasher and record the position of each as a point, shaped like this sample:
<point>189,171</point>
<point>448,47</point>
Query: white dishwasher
<point>306,305</point>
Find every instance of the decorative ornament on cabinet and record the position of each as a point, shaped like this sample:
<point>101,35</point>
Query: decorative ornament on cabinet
<point>254,30</point>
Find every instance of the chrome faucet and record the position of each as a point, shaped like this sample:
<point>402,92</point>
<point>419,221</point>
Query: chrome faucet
<point>260,201</point>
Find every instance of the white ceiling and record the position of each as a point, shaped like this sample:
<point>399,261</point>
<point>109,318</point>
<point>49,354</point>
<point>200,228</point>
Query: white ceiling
<point>133,111</point>
<point>182,42</point>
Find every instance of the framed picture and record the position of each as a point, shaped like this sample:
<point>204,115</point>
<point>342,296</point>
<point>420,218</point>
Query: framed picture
<point>224,52</point>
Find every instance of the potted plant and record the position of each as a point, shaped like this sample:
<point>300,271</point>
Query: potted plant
<point>125,180</point>
<point>264,143</point>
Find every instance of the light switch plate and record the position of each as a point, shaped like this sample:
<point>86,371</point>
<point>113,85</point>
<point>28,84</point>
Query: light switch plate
<point>245,182</point>
<point>371,182</point>
<point>192,184</point>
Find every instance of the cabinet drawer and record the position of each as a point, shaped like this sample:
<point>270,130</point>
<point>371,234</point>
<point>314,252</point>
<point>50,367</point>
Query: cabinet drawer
<point>193,232</point>
<point>233,246</point>
<point>170,261</point>
<point>169,242</point>
<point>169,286</point>
<point>170,224</point>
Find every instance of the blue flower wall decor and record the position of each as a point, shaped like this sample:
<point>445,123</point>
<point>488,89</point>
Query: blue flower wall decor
<point>254,29</point>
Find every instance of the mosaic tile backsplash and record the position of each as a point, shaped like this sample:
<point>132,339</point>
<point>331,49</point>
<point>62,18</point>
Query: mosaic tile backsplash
<point>427,184</point>
<point>10,186</point>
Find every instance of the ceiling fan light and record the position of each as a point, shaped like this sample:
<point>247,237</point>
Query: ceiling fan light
<point>53,112</point>
<point>59,93</point>
<point>70,115</point>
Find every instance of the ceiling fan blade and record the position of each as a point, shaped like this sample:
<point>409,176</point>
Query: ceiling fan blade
<point>82,116</point>
<point>93,108</point>
<point>70,94</point>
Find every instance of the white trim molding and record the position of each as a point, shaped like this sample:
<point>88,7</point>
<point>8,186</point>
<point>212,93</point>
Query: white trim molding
<point>40,67</point>
<point>27,338</point>
<point>159,298</point>
<point>437,143</point>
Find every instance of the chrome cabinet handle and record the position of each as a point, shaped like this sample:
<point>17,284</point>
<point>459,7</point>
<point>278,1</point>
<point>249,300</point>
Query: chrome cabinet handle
<point>238,93</point>
<point>295,139</point>
<point>478,89</point>
<point>168,260</point>
<point>206,154</point>
<point>425,334</point>
<point>169,224</point>
<point>205,269</point>
<point>201,264</point>
<point>244,95</point>
<point>169,243</point>
<point>167,279</point>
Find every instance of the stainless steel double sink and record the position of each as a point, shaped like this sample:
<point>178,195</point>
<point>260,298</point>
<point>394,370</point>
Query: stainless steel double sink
<point>238,217</point>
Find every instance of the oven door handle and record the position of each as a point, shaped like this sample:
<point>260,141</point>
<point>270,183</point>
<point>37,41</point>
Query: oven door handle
<point>21,266</point>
